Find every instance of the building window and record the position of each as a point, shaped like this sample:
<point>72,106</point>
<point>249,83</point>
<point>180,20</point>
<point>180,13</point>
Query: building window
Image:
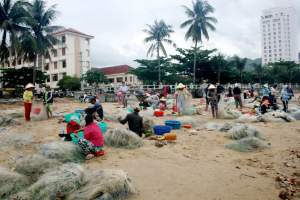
<point>131,79</point>
<point>119,79</point>
<point>111,80</point>
<point>48,79</point>
<point>54,53</point>
<point>88,64</point>
<point>63,51</point>
<point>64,74</point>
<point>55,65</point>
<point>88,53</point>
<point>63,39</point>
<point>46,66</point>
<point>19,62</point>
<point>64,64</point>
<point>54,77</point>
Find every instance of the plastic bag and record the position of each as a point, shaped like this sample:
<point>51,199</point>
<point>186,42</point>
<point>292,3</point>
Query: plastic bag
<point>39,112</point>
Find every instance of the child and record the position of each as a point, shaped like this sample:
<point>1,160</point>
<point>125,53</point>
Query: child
<point>93,141</point>
<point>72,127</point>
<point>163,104</point>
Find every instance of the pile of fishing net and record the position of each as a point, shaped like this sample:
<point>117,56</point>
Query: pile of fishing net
<point>247,118</point>
<point>34,166</point>
<point>248,144</point>
<point>223,127</point>
<point>15,140</point>
<point>57,183</point>
<point>189,120</point>
<point>62,151</point>
<point>122,138</point>
<point>247,139</point>
<point>115,115</point>
<point>240,131</point>
<point>226,112</point>
<point>105,185</point>
<point>277,116</point>
<point>8,121</point>
<point>148,123</point>
<point>295,113</point>
<point>11,183</point>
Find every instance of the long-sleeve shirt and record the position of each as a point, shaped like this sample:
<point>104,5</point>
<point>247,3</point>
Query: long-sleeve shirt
<point>135,122</point>
<point>237,91</point>
<point>93,133</point>
<point>28,96</point>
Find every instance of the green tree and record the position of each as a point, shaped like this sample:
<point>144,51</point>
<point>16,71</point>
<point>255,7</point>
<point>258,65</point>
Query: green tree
<point>11,77</point>
<point>285,71</point>
<point>240,64</point>
<point>12,23</point>
<point>199,23</point>
<point>158,33</point>
<point>258,69</point>
<point>94,77</point>
<point>69,83</point>
<point>219,65</point>
<point>40,41</point>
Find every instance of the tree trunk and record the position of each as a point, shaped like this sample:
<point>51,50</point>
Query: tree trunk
<point>159,70</point>
<point>194,67</point>
<point>34,70</point>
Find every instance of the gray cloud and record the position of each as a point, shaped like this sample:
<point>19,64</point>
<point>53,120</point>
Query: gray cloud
<point>117,25</point>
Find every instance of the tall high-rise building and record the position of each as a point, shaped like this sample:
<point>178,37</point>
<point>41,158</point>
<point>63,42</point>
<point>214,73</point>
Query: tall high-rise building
<point>279,35</point>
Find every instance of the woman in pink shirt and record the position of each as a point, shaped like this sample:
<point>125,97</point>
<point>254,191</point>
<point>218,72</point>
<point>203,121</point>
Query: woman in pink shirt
<point>93,141</point>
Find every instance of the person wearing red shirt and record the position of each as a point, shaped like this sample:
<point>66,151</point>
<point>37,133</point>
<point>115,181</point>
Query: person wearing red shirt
<point>93,141</point>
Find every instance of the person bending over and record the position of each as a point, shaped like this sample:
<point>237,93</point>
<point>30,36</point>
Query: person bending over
<point>135,122</point>
<point>95,109</point>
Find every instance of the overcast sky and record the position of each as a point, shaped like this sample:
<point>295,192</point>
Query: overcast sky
<point>117,25</point>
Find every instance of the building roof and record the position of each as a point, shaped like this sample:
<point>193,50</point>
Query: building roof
<point>71,30</point>
<point>114,69</point>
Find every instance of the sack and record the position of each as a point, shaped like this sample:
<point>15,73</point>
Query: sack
<point>39,112</point>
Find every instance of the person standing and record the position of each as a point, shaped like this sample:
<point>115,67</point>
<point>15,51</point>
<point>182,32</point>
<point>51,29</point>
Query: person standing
<point>220,91</point>
<point>123,89</point>
<point>48,101</point>
<point>183,97</point>
<point>286,95</point>
<point>265,91</point>
<point>135,122</point>
<point>27,99</point>
<point>212,95</point>
<point>273,97</point>
<point>237,96</point>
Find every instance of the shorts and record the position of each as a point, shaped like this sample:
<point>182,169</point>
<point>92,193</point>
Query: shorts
<point>49,107</point>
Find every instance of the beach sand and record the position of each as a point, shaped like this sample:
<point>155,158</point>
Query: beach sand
<point>197,166</point>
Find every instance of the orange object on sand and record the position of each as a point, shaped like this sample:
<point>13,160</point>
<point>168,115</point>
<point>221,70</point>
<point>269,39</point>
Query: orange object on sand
<point>158,113</point>
<point>100,153</point>
<point>187,126</point>
<point>170,136</point>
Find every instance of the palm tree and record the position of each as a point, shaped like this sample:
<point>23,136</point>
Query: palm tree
<point>240,64</point>
<point>158,33</point>
<point>199,23</point>
<point>12,23</point>
<point>40,39</point>
<point>258,70</point>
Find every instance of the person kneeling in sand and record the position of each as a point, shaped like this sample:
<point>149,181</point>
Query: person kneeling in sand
<point>135,122</point>
<point>93,141</point>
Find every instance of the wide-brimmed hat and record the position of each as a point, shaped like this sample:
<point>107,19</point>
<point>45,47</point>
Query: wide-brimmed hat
<point>266,85</point>
<point>236,85</point>
<point>29,85</point>
<point>180,86</point>
<point>211,87</point>
<point>163,99</point>
<point>147,95</point>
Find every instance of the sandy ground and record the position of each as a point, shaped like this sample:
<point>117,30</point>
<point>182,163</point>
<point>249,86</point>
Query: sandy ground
<point>195,167</point>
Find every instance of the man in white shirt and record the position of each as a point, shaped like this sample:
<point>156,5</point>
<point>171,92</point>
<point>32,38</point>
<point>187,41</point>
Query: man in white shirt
<point>124,89</point>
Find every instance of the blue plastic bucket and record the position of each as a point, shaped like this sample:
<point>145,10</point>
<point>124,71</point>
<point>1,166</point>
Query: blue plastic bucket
<point>103,127</point>
<point>173,123</point>
<point>161,130</point>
